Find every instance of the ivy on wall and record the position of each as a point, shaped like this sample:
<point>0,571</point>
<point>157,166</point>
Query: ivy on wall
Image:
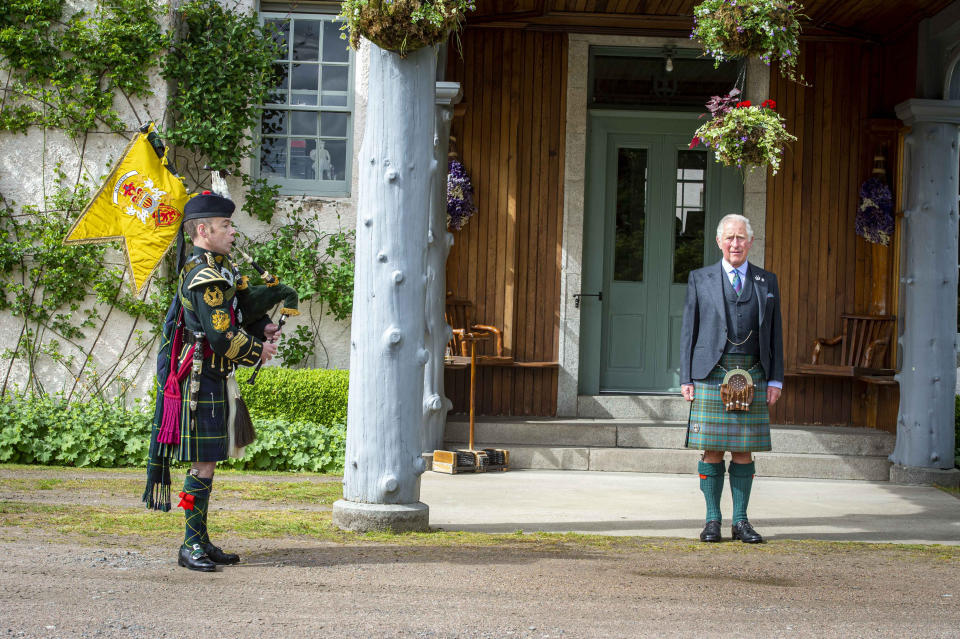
<point>69,73</point>
<point>64,71</point>
<point>220,67</point>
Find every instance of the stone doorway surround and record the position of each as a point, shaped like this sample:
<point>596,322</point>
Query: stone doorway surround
<point>574,186</point>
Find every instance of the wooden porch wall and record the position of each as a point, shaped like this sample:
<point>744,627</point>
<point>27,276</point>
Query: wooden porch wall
<point>822,266</point>
<point>507,258</point>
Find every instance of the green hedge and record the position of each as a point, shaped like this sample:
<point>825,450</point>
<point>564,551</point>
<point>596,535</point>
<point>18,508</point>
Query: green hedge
<point>300,417</point>
<point>300,395</point>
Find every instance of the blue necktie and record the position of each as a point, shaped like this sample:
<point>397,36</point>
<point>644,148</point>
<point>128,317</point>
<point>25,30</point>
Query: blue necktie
<point>737,282</point>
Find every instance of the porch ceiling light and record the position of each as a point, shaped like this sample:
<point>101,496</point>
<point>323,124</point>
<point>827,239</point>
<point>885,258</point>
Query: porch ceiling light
<point>668,54</point>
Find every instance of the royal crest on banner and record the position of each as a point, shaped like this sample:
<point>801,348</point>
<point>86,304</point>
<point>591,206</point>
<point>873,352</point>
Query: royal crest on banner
<point>141,203</point>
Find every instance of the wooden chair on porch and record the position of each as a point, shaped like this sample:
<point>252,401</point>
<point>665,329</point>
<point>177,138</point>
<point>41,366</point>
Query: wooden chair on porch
<point>864,343</point>
<point>460,315</point>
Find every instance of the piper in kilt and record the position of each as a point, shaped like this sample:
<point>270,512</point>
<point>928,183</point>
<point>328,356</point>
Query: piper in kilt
<point>731,322</point>
<point>214,324</point>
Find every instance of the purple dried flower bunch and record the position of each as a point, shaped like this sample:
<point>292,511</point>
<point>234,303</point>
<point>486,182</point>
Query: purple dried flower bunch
<point>767,29</point>
<point>460,205</point>
<point>874,221</point>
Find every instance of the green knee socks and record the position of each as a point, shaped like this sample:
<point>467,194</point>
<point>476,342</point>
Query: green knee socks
<point>206,510</point>
<point>711,485</point>
<point>195,509</point>
<point>741,480</point>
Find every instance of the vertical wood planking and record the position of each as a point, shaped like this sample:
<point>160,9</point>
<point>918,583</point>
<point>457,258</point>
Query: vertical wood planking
<point>506,259</point>
<point>811,205</point>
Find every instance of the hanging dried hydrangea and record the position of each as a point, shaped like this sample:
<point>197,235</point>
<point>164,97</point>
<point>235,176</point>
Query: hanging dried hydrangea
<point>875,212</point>
<point>460,204</point>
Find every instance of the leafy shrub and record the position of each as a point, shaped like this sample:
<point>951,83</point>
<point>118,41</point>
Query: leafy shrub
<point>285,445</point>
<point>49,430</point>
<point>299,415</point>
<point>315,395</point>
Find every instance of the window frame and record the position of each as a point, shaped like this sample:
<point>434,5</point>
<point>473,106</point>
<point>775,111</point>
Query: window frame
<point>296,186</point>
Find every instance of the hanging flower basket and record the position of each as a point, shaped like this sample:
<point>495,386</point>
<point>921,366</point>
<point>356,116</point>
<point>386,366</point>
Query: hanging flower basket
<point>460,204</point>
<point>874,221</point>
<point>402,26</point>
<point>743,135</point>
<point>767,29</point>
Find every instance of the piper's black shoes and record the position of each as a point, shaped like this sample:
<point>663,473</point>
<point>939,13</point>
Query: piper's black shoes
<point>711,532</point>
<point>217,556</point>
<point>743,531</point>
<point>195,558</point>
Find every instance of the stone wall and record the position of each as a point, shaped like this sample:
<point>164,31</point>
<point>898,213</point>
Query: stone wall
<point>27,176</point>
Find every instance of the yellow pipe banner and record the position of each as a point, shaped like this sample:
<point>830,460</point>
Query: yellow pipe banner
<point>140,203</point>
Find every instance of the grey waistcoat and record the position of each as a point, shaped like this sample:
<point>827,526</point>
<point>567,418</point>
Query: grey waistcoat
<point>743,316</point>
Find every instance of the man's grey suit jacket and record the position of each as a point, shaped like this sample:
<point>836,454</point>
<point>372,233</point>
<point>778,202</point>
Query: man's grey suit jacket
<point>704,332</point>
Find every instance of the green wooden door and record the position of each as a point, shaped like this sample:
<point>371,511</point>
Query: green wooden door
<point>652,206</point>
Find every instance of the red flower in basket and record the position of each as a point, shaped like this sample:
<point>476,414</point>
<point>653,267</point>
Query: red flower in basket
<point>770,104</point>
<point>694,142</point>
<point>745,103</point>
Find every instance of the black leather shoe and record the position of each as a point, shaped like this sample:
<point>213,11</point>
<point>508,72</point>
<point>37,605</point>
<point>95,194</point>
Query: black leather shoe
<point>217,556</point>
<point>711,532</point>
<point>743,531</point>
<point>195,559</point>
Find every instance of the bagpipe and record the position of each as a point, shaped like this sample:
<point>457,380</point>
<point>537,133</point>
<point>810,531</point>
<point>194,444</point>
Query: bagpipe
<point>261,300</point>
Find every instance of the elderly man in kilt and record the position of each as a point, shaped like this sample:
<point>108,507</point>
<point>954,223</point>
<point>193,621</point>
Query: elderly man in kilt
<point>731,322</point>
<point>209,330</point>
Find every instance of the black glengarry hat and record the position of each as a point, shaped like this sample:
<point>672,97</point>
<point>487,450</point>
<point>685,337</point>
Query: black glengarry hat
<point>207,204</point>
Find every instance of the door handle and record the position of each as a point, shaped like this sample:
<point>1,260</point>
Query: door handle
<point>577,296</point>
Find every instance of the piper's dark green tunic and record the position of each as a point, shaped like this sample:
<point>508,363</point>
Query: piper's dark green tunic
<point>215,302</point>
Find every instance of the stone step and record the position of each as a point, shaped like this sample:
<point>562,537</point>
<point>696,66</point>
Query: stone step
<point>636,407</point>
<point>683,461</point>
<point>619,433</point>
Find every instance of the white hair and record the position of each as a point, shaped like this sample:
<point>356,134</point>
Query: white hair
<point>734,217</point>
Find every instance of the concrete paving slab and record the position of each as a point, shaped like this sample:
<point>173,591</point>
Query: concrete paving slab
<point>661,505</point>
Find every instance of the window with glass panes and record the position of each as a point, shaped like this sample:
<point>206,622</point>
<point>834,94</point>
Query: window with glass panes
<point>306,127</point>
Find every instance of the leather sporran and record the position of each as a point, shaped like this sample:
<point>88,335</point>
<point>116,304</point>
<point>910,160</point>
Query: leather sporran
<point>736,391</point>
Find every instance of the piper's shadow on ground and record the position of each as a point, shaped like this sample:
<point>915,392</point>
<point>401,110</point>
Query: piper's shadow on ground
<point>477,556</point>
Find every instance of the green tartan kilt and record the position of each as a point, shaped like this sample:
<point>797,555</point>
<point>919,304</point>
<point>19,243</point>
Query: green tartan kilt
<point>710,427</point>
<point>203,432</point>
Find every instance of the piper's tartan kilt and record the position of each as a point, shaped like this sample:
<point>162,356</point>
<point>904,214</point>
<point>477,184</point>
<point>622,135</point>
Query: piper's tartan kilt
<point>203,432</point>
<point>710,427</point>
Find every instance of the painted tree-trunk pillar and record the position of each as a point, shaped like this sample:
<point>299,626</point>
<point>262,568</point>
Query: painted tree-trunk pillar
<point>383,464</point>
<point>439,240</point>
<point>925,425</point>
